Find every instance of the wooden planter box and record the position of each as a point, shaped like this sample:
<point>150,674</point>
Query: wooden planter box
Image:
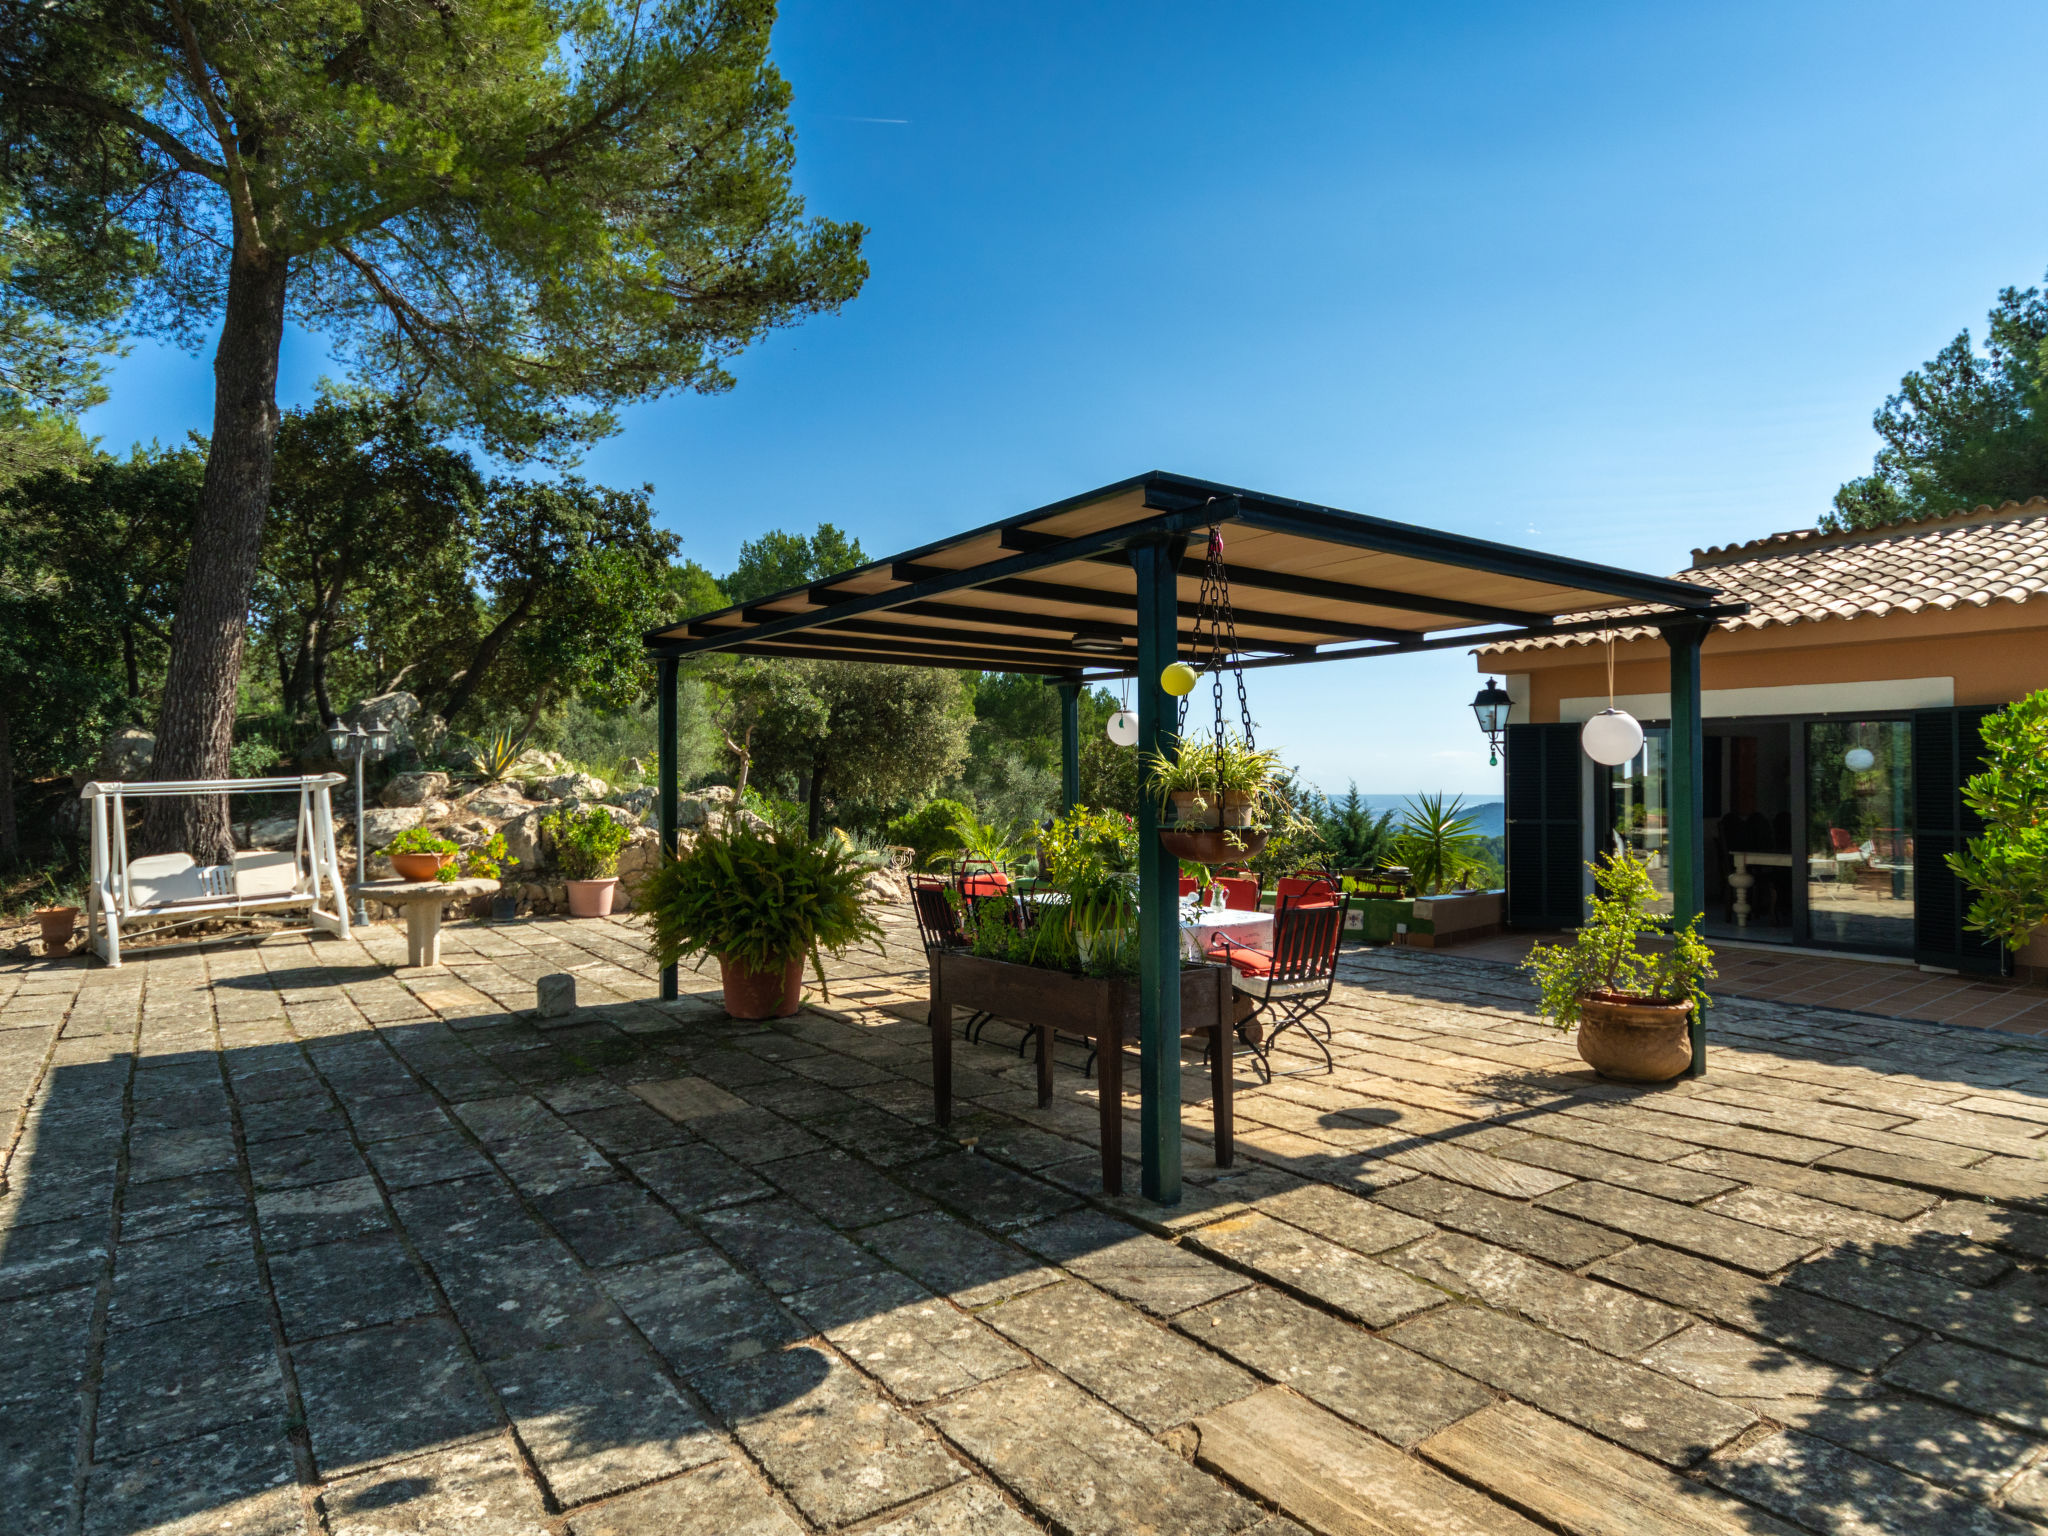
<point>1454,918</point>
<point>1105,1009</point>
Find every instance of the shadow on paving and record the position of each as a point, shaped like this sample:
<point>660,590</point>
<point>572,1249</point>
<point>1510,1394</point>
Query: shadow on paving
<point>318,1262</point>
<point>352,1262</point>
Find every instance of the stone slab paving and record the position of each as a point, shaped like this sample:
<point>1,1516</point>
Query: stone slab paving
<point>297,1239</point>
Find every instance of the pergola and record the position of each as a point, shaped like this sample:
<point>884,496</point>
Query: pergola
<point>1104,586</point>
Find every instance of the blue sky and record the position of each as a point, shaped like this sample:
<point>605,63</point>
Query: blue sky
<point>1610,280</point>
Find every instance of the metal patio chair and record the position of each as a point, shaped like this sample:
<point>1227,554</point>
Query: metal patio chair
<point>1290,984</point>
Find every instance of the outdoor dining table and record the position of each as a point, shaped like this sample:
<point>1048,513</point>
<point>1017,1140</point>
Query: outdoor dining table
<point>1202,927</point>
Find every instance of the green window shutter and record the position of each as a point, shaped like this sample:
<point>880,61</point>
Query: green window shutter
<point>1948,747</point>
<point>1545,839</point>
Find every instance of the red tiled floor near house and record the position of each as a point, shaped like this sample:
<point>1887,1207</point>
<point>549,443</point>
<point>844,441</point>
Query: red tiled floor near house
<point>1860,986</point>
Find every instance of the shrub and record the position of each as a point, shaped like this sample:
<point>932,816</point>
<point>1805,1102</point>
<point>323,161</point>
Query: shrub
<point>929,830</point>
<point>2007,866</point>
<point>759,899</point>
<point>587,843</point>
<point>486,860</point>
<point>1604,959</point>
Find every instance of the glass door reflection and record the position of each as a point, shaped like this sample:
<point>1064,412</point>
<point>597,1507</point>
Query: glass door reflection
<point>1859,834</point>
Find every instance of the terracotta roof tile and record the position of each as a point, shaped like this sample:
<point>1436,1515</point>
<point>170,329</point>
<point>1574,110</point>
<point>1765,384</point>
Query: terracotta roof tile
<point>1974,558</point>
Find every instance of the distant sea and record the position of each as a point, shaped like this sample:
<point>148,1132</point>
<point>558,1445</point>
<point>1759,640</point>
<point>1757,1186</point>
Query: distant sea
<point>1489,816</point>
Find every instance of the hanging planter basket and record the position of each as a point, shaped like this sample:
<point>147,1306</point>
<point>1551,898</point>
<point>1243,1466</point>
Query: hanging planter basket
<point>1214,846</point>
<point>1208,824</point>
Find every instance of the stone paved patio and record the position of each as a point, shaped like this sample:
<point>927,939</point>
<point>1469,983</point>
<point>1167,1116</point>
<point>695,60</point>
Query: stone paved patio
<point>297,1241</point>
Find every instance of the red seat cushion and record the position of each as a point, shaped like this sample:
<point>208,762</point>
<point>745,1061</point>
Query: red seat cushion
<point>1249,962</point>
<point>985,885</point>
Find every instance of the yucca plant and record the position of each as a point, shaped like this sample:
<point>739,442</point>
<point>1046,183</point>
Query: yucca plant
<point>758,899</point>
<point>495,755</point>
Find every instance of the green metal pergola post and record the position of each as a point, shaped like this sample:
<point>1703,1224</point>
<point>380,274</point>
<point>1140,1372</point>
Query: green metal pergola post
<point>1157,565</point>
<point>1070,745</point>
<point>665,734</point>
<point>1686,838</point>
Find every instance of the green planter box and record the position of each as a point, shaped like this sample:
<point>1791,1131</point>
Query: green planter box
<point>1381,916</point>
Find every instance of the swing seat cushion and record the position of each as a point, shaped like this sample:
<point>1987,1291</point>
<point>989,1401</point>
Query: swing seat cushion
<point>267,874</point>
<point>165,880</point>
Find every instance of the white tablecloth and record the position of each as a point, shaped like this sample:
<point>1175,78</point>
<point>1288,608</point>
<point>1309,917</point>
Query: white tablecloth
<point>1201,927</point>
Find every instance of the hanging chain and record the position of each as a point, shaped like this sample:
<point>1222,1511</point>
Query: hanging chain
<point>1213,646</point>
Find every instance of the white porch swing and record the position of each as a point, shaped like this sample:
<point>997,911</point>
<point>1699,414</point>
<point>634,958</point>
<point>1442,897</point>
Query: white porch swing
<point>178,887</point>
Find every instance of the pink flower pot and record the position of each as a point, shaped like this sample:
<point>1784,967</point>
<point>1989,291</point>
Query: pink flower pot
<point>592,898</point>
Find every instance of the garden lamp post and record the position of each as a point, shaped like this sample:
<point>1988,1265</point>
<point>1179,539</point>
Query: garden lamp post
<point>1491,705</point>
<point>354,744</point>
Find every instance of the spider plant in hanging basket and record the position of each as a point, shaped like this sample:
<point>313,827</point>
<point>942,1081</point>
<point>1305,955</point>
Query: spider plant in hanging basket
<point>1217,797</point>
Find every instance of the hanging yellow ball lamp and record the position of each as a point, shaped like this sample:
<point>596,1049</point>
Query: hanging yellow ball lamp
<point>1179,679</point>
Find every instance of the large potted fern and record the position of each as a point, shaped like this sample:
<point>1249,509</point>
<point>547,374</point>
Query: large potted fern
<point>761,903</point>
<point>1633,1006</point>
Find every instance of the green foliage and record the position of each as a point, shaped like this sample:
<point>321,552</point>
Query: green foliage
<point>786,816</point>
<point>586,842</point>
<point>56,301</point>
<point>1083,845</point>
<point>366,551</point>
<point>1606,959</point>
<point>985,842</point>
<point>418,840</point>
<point>1203,767</point>
<point>759,899</point>
<point>866,736</point>
<point>1109,774</point>
<point>778,561</point>
<point>2007,865</point>
<point>248,759</point>
<point>496,755</point>
<point>928,831</point>
<point>489,859</point>
<point>1353,836</point>
<point>1437,842</point>
<point>1966,429</point>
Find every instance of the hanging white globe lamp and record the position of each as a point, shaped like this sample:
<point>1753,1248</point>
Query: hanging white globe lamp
<point>1123,728</point>
<point>1860,759</point>
<point>1612,737</point>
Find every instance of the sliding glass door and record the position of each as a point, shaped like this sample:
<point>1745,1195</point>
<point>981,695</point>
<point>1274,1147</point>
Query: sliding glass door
<point>1859,834</point>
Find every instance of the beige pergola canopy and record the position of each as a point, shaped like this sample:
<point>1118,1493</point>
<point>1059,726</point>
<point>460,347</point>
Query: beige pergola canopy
<point>1053,591</point>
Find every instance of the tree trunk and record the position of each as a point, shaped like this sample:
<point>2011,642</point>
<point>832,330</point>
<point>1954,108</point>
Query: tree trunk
<point>10,835</point>
<point>814,820</point>
<point>128,660</point>
<point>470,678</point>
<point>197,724</point>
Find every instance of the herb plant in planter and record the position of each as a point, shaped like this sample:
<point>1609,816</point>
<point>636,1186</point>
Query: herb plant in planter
<point>587,845</point>
<point>418,854</point>
<point>1632,1006</point>
<point>1218,798</point>
<point>761,903</point>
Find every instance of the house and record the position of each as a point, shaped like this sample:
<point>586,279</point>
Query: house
<point>1840,720</point>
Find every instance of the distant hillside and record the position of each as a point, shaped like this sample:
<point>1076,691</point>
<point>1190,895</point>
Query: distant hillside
<point>1488,816</point>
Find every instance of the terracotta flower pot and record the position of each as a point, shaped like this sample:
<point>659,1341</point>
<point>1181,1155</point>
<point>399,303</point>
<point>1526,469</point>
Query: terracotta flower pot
<point>592,898</point>
<point>59,923</point>
<point>1635,1040</point>
<point>1227,810</point>
<point>751,994</point>
<point>420,866</point>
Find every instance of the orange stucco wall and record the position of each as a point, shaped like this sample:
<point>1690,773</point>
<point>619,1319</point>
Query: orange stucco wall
<point>1995,655</point>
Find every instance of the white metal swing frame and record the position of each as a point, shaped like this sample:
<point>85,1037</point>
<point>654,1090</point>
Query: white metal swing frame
<point>177,886</point>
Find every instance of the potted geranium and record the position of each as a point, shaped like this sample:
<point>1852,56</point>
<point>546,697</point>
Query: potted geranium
<point>1633,1006</point>
<point>587,845</point>
<point>418,853</point>
<point>761,903</point>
